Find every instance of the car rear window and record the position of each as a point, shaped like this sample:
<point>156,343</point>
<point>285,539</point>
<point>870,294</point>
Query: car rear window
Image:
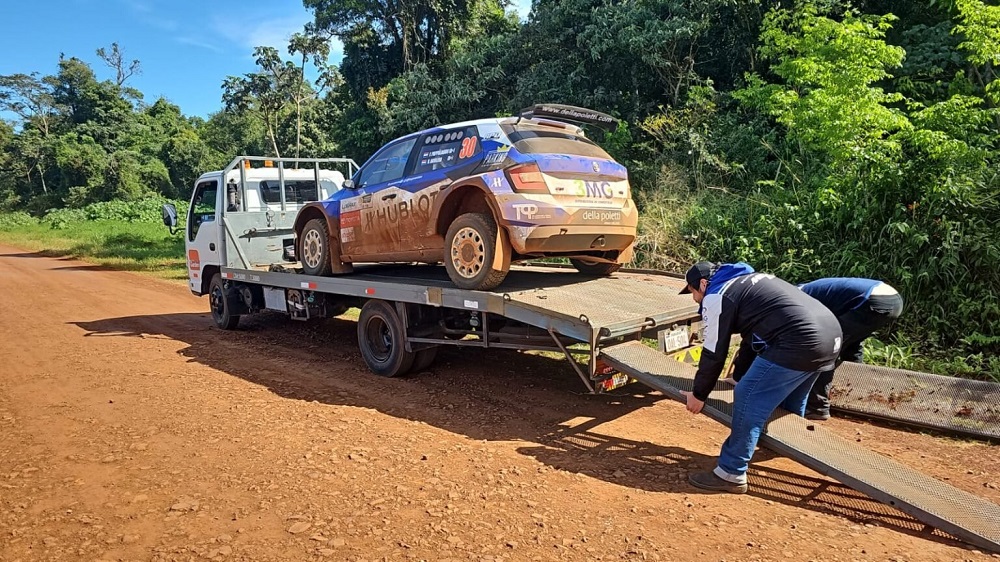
<point>538,139</point>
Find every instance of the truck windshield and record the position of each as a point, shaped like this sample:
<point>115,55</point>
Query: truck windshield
<point>529,138</point>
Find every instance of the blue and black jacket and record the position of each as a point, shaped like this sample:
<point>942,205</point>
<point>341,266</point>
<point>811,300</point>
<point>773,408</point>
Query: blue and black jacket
<point>841,294</point>
<point>776,320</point>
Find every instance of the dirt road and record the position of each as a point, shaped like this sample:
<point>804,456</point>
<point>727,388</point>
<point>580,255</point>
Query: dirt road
<point>132,429</point>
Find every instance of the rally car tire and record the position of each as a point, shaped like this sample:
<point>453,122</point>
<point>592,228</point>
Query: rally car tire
<point>477,254</point>
<point>595,268</point>
<point>314,248</point>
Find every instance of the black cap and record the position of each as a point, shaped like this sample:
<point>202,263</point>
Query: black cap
<point>698,271</point>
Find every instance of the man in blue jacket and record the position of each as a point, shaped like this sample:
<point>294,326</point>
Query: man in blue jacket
<point>861,307</point>
<point>792,337</point>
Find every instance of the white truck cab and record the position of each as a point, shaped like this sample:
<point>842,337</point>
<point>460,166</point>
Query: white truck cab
<point>235,202</point>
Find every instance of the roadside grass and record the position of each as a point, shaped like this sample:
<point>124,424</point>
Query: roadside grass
<point>124,246</point>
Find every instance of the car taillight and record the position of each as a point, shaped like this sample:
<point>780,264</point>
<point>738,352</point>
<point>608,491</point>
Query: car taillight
<point>527,178</point>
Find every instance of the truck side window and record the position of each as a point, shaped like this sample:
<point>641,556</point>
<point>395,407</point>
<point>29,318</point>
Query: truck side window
<point>202,207</point>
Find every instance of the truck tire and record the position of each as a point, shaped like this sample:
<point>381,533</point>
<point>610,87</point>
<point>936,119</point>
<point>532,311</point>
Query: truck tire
<point>595,268</point>
<point>314,248</point>
<point>218,301</point>
<point>476,254</point>
<point>381,338</point>
<point>424,358</point>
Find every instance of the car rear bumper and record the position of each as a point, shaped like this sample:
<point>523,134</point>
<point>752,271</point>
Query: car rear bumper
<point>565,239</point>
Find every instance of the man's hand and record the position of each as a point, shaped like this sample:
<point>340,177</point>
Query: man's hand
<point>693,404</point>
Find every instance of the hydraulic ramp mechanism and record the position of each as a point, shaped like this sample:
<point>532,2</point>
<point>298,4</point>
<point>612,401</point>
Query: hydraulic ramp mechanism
<point>935,503</point>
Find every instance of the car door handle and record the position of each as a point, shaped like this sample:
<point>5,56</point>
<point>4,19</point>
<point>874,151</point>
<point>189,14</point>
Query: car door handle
<point>390,196</point>
<point>211,246</point>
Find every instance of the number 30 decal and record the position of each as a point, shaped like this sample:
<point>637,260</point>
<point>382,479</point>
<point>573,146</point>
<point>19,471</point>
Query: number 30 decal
<point>468,147</point>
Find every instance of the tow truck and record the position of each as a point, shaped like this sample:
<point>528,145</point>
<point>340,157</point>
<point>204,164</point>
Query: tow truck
<point>240,244</point>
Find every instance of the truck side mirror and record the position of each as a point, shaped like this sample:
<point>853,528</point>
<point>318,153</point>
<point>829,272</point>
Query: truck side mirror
<point>170,217</point>
<point>348,184</point>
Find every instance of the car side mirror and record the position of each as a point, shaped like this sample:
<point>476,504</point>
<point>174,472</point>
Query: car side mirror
<point>349,184</point>
<point>170,217</point>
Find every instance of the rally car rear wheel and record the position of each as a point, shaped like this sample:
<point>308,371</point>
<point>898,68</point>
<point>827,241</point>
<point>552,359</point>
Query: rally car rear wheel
<point>596,268</point>
<point>477,256</point>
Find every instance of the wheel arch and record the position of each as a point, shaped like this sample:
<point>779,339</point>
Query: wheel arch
<point>468,197</point>
<point>206,277</point>
<point>307,213</point>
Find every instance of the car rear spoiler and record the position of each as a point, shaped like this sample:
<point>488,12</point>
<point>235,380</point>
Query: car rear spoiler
<point>570,113</point>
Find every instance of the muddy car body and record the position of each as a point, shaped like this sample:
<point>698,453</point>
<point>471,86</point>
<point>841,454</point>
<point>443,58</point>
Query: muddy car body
<point>477,196</point>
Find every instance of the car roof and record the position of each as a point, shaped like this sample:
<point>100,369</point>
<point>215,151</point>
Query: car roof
<point>488,121</point>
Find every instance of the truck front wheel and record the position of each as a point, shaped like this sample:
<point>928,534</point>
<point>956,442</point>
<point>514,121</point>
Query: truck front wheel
<point>218,300</point>
<point>381,338</point>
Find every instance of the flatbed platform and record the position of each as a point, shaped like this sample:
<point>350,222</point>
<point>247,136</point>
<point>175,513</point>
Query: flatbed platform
<point>584,308</point>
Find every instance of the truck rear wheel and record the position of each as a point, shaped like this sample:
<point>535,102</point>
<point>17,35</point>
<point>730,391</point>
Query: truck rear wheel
<point>218,300</point>
<point>381,338</point>
<point>424,358</point>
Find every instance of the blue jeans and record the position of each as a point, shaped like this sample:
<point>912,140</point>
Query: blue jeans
<point>763,388</point>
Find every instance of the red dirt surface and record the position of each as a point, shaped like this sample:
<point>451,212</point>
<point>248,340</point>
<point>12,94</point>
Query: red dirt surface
<point>132,429</point>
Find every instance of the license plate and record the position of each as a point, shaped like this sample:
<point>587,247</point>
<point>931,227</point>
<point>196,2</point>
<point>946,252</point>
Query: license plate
<point>673,340</point>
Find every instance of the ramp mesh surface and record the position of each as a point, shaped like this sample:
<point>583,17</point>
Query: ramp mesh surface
<point>947,403</point>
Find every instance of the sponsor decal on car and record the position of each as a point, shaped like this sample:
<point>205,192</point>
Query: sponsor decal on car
<point>497,156</point>
<point>351,204</point>
<point>417,209</point>
<point>347,234</point>
<point>603,217</point>
<point>350,219</point>
<point>595,189</point>
<point>529,211</point>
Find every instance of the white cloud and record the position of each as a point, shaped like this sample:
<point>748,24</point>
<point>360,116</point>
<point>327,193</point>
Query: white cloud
<point>144,12</point>
<point>195,42</point>
<point>274,32</point>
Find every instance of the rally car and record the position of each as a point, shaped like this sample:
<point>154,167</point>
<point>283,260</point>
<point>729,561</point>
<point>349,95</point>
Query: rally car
<point>478,196</point>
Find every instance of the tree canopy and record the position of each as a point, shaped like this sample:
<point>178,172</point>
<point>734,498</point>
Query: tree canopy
<point>811,138</point>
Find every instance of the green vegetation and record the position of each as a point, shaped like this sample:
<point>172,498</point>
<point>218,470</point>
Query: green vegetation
<point>115,235</point>
<point>810,139</point>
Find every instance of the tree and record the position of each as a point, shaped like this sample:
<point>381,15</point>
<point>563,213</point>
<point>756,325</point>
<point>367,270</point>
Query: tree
<point>420,31</point>
<point>317,49</point>
<point>30,98</point>
<point>115,59</point>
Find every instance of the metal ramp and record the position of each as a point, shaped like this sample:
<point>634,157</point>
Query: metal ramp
<point>931,501</point>
<point>950,404</point>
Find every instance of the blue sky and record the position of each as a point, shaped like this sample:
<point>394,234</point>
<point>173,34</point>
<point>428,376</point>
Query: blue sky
<point>186,47</point>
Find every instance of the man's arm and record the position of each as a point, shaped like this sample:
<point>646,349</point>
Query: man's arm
<point>744,358</point>
<point>718,313</point>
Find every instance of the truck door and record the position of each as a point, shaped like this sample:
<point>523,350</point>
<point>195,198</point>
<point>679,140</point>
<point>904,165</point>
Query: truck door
<point>203,232</point>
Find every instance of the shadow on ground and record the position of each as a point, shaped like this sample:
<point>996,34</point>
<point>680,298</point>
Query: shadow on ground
<point>492,395</point>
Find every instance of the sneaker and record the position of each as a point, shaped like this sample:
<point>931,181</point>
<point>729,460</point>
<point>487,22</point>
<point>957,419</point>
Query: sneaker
<point>709,481</point>
<point>818,416</point>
